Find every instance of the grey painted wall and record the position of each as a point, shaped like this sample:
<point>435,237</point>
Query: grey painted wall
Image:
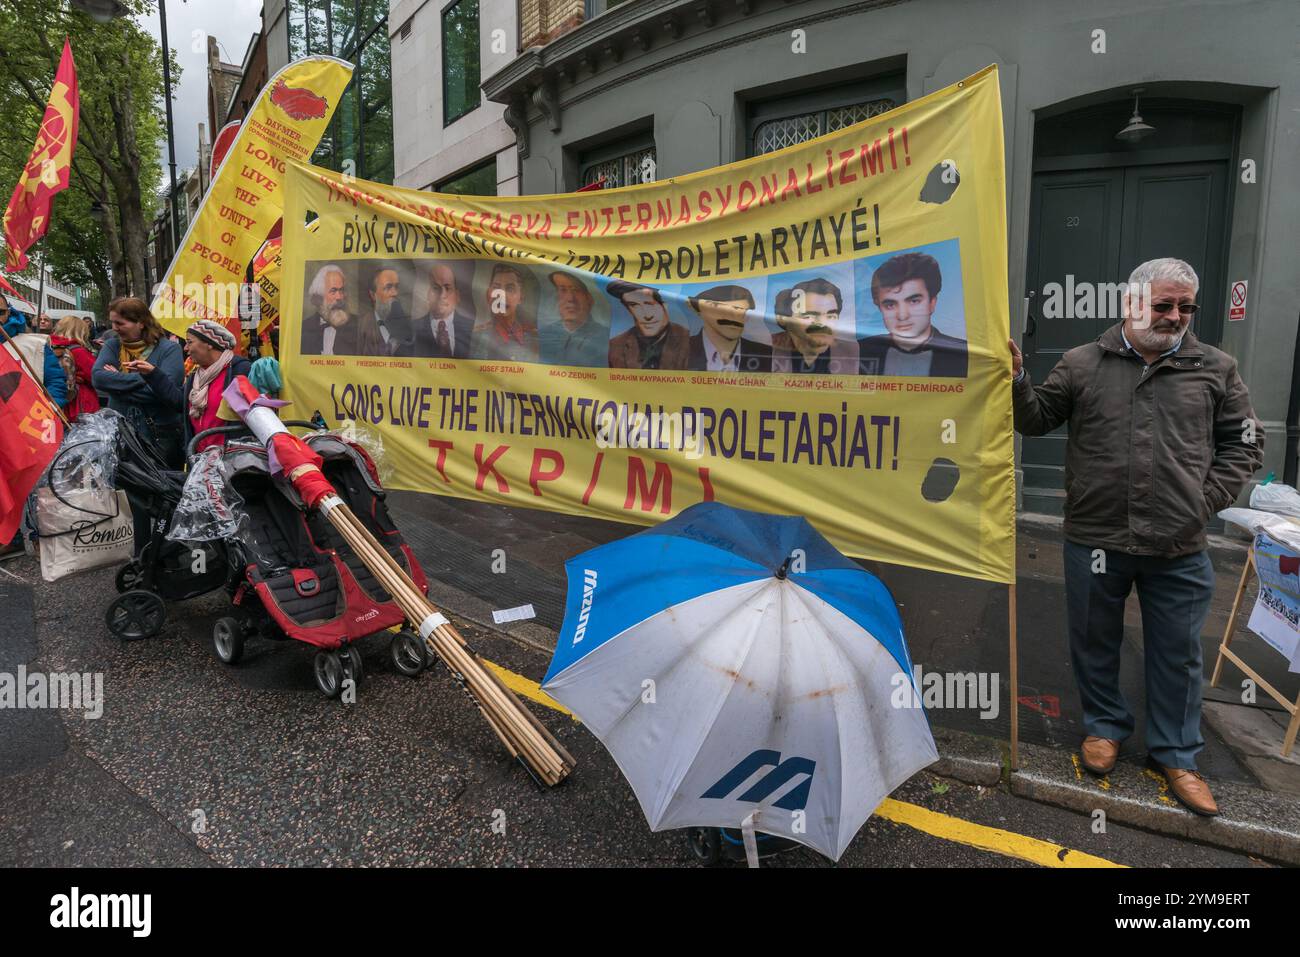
<point>694,92</point>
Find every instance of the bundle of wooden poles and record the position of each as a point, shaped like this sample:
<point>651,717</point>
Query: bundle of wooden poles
<point>523,735</point>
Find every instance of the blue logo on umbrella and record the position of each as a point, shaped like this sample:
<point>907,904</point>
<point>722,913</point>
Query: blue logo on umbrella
<point>782,773</point>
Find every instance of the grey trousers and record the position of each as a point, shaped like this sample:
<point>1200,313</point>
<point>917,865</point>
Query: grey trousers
<point>1174,594</point>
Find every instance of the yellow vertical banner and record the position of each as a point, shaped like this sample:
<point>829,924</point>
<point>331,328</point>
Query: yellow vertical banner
<point>246,197</point>
<point>818,331</point>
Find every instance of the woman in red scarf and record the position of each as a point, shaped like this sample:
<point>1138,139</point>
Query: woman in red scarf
<point>70,344</point>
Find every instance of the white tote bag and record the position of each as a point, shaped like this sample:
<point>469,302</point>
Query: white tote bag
<point>81,529</point>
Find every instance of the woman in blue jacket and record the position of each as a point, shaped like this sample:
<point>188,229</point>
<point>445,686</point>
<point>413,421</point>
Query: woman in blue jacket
<point>137,337</point>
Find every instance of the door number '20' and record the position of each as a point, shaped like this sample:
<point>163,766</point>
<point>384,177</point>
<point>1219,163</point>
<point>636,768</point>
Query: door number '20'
<point>1071,220</point>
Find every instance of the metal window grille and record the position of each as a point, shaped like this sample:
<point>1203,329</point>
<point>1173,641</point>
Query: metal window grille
<point>774,135</point>
<point>622,170</point>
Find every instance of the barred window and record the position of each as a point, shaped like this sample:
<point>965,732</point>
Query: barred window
<point>637,166</point>
<point>776,134</point>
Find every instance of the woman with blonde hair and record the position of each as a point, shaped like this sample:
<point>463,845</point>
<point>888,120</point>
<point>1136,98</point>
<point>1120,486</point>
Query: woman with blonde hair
<point>132,353</point>
<point>72,347</point>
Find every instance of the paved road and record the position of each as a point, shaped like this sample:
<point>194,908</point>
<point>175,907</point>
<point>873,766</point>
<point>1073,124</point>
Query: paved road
<point>952,624</point>
<point>195,763</point>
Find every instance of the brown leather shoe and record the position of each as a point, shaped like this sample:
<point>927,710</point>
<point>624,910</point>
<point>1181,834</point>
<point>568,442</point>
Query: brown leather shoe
<point>1098,754</point>
<point>1191,791</point>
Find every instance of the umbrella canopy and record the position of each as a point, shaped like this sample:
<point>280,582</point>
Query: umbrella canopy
<point>735,662</point>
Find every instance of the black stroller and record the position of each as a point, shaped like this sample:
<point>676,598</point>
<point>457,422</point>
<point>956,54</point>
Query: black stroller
<point>163,570</point>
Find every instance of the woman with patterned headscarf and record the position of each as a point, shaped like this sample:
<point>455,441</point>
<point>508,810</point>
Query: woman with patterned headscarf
<point>211,347</point>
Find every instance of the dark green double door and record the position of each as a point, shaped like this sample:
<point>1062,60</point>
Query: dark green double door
<point>1095,226</point>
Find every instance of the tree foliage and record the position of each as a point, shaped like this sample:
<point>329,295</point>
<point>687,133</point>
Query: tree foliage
<point>119,74</point>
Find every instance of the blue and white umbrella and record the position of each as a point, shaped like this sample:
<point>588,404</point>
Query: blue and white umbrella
<point>735,663</point>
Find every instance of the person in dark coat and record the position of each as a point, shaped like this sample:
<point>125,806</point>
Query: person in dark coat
<point>1162,436</point>
<point>138,338</point>
<point>810,317</point>
<point>384,330</point>
<point>40,355</point>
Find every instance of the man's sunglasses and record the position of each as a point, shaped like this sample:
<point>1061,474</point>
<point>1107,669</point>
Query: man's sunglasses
<point>1184,309</point>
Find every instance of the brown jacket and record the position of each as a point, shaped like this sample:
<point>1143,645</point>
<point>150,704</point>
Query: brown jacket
<point>1153,453</point>
<point>625,350</point>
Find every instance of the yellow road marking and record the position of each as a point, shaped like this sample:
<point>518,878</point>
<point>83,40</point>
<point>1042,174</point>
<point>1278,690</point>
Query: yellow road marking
<point>529,689</point>
<point>1163,797</point>
<point>934,823</point>
<point>994,839</point>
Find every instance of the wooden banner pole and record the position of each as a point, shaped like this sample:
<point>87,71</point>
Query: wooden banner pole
<point>1015,679</point>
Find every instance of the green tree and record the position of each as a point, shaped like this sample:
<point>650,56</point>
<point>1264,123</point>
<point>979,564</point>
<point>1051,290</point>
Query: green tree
<point>119,74</point>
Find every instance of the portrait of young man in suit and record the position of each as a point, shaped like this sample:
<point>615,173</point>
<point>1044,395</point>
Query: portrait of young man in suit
<point>906,291</point>
<point>654,341</point>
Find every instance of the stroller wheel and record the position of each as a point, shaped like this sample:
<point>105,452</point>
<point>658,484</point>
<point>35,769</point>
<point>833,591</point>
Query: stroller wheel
<point>228,638</point>
<point>134,615</point>
<point>706,844</point>
<point>329,673</point>
<point>408,653</point>
<point>352,667</point>
<point>129,577</point>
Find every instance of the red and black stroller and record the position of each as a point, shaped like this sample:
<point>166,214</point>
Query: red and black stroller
<point>290,574</point>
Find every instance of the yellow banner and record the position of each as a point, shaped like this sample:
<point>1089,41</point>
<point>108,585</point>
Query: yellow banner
<point>246,196</point>
<point>818,331</point>
<point>267,266</point>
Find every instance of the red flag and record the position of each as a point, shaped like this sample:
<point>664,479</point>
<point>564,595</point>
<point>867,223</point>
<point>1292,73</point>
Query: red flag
<point>221,144</point>
<point>48,169</point>
<point>30,433</point>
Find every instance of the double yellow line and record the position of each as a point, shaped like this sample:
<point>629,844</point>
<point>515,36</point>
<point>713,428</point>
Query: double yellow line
<point>943,826</point>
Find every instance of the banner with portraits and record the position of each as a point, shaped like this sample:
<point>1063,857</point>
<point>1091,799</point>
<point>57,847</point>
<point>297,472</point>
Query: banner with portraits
<point>817,331</point>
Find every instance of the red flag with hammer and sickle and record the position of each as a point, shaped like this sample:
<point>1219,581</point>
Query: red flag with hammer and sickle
<point>48,169</point>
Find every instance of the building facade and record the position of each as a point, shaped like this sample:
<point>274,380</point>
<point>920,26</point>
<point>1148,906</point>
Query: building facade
<point>56,298</point>
<point>447,135</point>
<point>223,80</point>
<point>360,137</point>
<point>613,92</point>
<point>252,78</point>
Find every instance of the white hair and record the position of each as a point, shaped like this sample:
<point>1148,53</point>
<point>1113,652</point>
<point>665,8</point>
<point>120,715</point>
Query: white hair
<point>1168,269</point>
<point>317,288</point>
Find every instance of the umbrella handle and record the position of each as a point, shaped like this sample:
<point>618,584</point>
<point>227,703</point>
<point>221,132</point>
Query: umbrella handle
<point>747,826</point>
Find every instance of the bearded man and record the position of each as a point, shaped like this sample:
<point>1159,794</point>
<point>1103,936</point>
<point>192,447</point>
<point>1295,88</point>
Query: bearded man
<point>1161,437</point>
